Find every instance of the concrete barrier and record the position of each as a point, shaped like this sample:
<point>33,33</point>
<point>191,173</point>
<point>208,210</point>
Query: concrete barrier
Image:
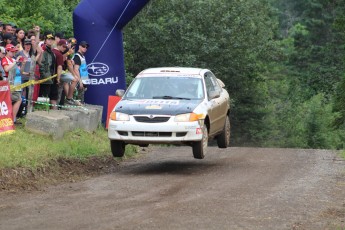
<point>56,123</point>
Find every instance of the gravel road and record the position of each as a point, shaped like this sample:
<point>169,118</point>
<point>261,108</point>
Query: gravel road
<point>234,188</point>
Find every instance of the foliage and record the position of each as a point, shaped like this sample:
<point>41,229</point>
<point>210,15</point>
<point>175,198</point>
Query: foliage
<point>53,15</point>
<point>312,38</point>
<point>282,61</point>
<point>232,38</point>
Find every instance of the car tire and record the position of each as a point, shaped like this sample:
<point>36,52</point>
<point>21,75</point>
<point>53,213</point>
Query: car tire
<point>200,147</point>
<point>223,139</point>
<point>117,148</point>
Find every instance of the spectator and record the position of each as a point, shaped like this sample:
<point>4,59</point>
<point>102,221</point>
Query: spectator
<point>59,62</point>
<point>26,54</point>
<point>1,30</point>
<point>69,90</point>
<point>37,53</point>
<point>14,28</point>
<point>12,73</point>
<point>2,55</point>
<point>58,37</point>
<point>35,38</point>
<point>80,68</point>
<point>8,29</point>
<point>48,88</point>
<point>7,39</point>
<point>20,36</point>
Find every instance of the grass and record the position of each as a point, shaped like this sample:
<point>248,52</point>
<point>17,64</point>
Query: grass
<point>343,154</point>
<point>25,149</point>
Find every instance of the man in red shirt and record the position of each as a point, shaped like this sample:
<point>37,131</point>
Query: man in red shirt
<point>59,63</point>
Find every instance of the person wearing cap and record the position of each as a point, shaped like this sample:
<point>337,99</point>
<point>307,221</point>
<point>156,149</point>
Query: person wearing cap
<point>59,64</point>
<point>69,88</point>
<point>49,87</point>
<point>12,73</point>
<point>26,54</point>
<point>26,60</point>
<point>80,68</point>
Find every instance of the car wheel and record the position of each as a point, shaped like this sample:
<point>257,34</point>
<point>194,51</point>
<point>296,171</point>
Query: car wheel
<point>117,148</point>
<point>200,147</point>
<point>223,139</point>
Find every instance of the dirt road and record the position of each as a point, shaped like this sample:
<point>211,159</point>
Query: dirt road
<point>236,188</point>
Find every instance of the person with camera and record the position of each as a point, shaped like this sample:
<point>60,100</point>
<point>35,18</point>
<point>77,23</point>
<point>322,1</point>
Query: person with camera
<point>12,75</point>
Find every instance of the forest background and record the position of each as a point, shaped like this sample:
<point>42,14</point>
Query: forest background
<point>282,60</point>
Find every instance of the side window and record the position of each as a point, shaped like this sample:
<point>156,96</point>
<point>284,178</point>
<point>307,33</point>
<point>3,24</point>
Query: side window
<point>209,84</point>
<point>215,83</point>
<point>212,83</point>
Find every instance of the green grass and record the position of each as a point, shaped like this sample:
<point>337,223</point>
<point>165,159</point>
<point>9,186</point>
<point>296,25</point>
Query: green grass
<point>343,154</point>
<point>25,149</point>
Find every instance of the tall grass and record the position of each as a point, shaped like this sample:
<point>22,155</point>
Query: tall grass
<point>25,149</point>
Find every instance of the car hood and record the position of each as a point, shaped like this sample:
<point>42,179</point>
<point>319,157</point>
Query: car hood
<point>157,106</point>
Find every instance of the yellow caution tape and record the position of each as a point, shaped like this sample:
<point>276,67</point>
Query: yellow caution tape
<point>33,82</point>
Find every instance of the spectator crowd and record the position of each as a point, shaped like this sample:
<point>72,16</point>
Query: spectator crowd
<point>32,55</point>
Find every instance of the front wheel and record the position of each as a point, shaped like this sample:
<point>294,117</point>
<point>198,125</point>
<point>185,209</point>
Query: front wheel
<point>117,148</point>
<point>200,147</point>
<point>223,139</point>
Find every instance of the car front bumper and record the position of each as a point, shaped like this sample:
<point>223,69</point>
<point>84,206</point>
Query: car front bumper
<point>149,133</point>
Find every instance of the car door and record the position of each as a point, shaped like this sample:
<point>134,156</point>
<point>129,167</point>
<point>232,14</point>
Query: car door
<point>216,106</point>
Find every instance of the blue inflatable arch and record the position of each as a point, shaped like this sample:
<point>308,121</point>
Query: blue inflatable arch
<point>99,22</point>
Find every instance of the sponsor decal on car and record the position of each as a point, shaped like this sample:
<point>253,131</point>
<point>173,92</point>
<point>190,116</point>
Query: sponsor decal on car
<point>153,107</point>
<point>155,102</point>
<point>198,131</point>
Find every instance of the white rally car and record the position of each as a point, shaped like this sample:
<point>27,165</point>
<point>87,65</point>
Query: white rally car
<point>172,105</point>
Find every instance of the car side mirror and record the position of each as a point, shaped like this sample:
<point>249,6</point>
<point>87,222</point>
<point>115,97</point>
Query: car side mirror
<point>213,94</point>
<point>120,92</point>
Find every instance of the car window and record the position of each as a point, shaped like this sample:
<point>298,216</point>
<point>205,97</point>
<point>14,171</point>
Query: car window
<point>166,87</point>
<point>212,84</point>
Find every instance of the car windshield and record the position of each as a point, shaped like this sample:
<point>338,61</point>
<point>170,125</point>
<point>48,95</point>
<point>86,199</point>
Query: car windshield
<point>183,88</point>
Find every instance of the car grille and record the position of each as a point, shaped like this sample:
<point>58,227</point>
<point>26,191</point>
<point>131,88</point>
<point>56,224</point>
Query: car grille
<point>147,119</point>
<point>151,134</point>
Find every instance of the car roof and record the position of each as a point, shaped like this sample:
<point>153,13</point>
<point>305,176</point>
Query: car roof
<point>176,71</point>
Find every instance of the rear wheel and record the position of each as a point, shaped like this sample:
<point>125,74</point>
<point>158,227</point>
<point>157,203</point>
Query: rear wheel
<point>200,147</point>
<point>117,148</point>
<point>223,139</point>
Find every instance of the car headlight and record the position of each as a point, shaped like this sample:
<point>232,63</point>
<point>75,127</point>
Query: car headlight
<point>116,116</point>
<point>187,117</point>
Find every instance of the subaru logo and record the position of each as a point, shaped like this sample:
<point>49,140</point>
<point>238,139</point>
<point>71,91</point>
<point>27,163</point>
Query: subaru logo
<point>97,69</point>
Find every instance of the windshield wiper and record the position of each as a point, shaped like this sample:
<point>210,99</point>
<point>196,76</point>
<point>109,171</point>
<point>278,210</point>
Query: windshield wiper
<point>170,97</point>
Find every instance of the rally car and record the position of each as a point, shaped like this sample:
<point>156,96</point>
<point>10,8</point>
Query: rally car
<point>173,105</point>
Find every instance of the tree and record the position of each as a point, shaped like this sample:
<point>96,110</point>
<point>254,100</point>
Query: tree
<point>54,15</point>
<point>232,38</point>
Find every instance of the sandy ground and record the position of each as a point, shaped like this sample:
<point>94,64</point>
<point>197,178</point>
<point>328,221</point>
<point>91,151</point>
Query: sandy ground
<point>234,188</point>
